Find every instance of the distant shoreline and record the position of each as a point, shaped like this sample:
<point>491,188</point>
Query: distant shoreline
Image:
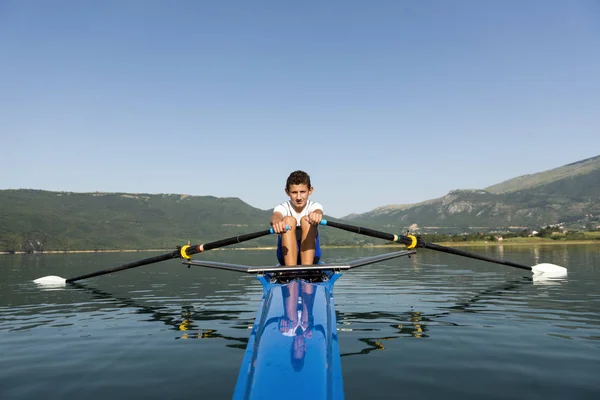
<point>448,244</point>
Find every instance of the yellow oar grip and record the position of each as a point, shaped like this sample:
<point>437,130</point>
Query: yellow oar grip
<point>183,253</point>
<point>413,243</point>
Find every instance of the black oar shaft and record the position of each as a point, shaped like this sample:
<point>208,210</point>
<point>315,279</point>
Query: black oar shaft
<point>134,264</point>
<point>227,242</point>
<point>458,252</point>
<point>406,240</point>
<point>175,254</point>
<point>361,230</point>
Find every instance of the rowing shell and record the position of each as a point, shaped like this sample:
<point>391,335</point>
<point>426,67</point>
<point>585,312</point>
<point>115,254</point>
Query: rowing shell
<point>293,350</point>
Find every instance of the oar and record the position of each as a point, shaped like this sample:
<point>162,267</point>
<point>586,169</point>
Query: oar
<point>182,252</point>
<point>545,269</point>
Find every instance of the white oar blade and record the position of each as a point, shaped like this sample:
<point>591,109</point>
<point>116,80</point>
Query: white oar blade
<point>550,271</point>
<point>51,280</point>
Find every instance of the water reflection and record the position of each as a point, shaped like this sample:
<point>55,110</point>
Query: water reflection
<point>415,327</point>
<point>502,290</point>
<point>416,324</point>
<point>185,322</point>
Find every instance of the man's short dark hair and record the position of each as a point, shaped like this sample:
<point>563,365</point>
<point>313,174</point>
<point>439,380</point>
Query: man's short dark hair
<point>298,178</point>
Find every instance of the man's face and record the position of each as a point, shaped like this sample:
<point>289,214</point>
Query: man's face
<point>299,195</point>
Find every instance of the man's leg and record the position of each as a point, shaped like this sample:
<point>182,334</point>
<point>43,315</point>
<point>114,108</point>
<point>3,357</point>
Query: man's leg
<point>289,245</point>
<point>308,243</point>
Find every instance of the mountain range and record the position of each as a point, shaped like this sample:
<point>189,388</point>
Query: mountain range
<point>34,220</point>
<point>565,195</point>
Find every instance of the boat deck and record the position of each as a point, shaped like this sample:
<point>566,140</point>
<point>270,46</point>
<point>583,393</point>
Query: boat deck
<point>293,350</point>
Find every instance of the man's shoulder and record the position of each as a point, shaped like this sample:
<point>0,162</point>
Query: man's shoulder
<point>315,205</point>
<point>282,208</point>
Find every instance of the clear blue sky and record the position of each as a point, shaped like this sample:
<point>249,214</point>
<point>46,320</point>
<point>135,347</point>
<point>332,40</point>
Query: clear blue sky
<point>382,102</point>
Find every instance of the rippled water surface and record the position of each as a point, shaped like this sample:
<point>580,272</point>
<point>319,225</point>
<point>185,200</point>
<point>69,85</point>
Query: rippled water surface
<point>432,326</point>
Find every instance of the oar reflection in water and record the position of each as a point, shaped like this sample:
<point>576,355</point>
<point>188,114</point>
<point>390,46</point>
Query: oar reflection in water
<point>415,324</point>
<point>184,322</point>
<point>470,305</point>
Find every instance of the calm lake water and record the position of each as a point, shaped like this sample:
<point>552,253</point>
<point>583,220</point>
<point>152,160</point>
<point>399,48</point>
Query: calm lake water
<point>434,326</point>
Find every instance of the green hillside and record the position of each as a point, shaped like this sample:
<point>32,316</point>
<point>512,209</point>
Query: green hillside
<point>583,167</point>
<point>36,220</point>
<point>63,220</point>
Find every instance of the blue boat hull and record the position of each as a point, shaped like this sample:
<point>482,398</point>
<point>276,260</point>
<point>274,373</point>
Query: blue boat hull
<point>293,350</point>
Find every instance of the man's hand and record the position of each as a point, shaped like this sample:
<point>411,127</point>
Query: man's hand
<point>315,217</point>
<point>279,226</point>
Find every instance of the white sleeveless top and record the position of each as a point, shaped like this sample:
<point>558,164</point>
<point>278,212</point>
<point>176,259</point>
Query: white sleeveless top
<point>287,210</point>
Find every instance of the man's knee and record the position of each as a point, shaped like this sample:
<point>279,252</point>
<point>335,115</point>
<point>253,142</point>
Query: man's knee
<point>308,230</point>
<point>291,222</point>
<point>305,224</point>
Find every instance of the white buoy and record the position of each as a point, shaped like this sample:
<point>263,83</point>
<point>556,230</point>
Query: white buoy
<point>51,280</point>
<point>549,271</point>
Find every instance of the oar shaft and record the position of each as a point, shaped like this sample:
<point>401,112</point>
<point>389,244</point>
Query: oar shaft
<point>406,240</point>
<point>139,263</point>
<point>458,252</point>
<point>227,242</point>
<point>176,253</point>
<point>362,231</point>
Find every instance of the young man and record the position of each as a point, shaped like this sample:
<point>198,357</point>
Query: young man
<point>299,244</point>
